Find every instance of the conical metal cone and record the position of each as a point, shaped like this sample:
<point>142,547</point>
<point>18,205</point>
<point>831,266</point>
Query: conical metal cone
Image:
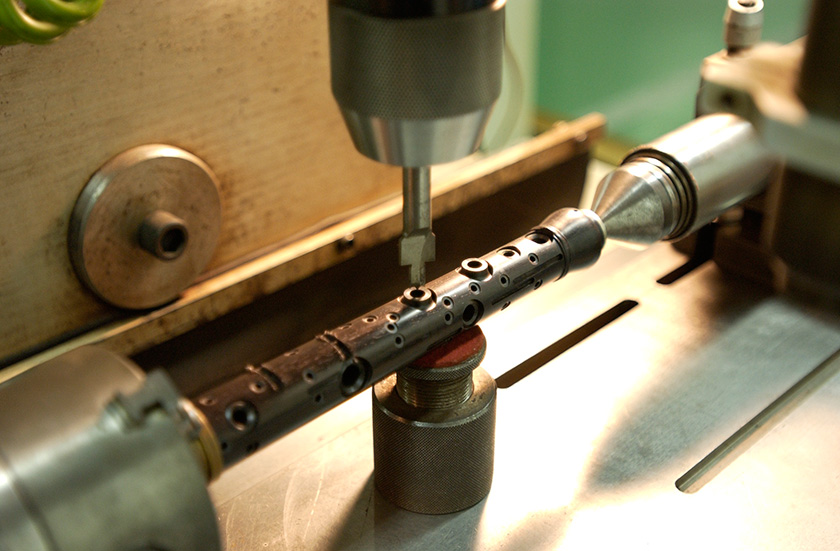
<point>637,202</point>
<point>683,180</point>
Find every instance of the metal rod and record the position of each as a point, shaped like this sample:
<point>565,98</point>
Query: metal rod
<point>417,204</point>
<point>763,422</point>
<point>271,399</point>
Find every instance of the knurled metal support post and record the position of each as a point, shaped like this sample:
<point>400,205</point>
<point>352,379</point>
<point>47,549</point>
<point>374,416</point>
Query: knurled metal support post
<point>434,427</point>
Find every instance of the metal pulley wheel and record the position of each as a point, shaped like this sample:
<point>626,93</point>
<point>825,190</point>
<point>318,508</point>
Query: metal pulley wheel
<point>145,226</point>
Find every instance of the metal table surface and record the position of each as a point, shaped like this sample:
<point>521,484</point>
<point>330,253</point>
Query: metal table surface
<point>589,447</point>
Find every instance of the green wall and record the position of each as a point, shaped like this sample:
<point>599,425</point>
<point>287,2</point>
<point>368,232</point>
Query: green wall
<point>637,61</point>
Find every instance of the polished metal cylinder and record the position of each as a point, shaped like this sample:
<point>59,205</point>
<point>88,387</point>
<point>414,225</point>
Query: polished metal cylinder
<point>88,462</point>
<point>417,195</point>
<point>434,429</point>
<point>722,160</point>
<point>684,180</point>
<point>416,81</point>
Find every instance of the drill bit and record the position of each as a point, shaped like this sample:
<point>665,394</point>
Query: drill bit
<point>417,244</point>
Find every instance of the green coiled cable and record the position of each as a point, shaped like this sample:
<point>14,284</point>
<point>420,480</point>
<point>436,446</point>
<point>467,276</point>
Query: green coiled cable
<point>42,21</point>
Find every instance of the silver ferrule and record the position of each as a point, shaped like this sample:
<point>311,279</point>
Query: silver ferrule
<point>582,233</point>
